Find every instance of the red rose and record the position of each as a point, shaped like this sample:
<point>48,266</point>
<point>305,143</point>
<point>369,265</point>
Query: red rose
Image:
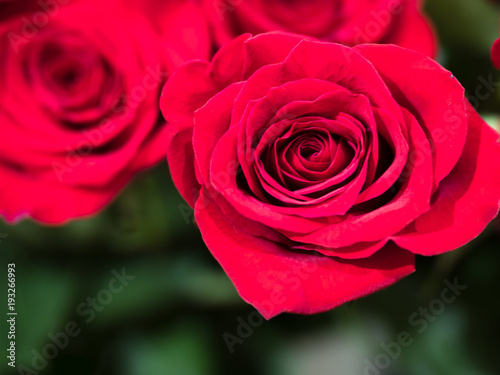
<point>12,8</point>
<point>495,54</point>
<point>323,169</point>
<point>79,115</point>
<point>349,22</point>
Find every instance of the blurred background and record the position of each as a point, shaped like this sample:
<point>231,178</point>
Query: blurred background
<point>134,291</point>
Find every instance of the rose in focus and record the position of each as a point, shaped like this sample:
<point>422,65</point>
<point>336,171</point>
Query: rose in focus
<point>349,22</point>
<point>80,84</point>
<point>318,171</point>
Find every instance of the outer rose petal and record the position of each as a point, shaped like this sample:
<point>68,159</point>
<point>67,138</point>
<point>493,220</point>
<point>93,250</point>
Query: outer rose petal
<point>211,123</point>
<point>186,90</point>
<point>495,54</point>
<point>39,197</point>
<point>180,156</point>
<point>190,87</point>
<point>443,120</point>
<point>467,199</point>
<point>275,280</point>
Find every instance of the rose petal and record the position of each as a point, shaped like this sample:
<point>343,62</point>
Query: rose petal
<point>390,132</point>
<point>444,120</point>
<point>358,250</point>
<point>274,279</point>
<point>180,155</point>
<point>411,201</point>
<point>194,83</point>
<point>224,178</point>
<point>39,197</point>
<point>467,199</point>
<point>211,122</point>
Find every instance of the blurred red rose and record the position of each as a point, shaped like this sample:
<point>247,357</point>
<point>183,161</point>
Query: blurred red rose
<point>495,54</point>
<point>349,22</point>
<point>12,8</point>
<point>317,171</point>
<point>80,84</point>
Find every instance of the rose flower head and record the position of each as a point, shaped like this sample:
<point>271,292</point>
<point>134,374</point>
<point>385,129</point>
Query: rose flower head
<point>318,171</point>
<point>79,88</point>
<point>348,22</point>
